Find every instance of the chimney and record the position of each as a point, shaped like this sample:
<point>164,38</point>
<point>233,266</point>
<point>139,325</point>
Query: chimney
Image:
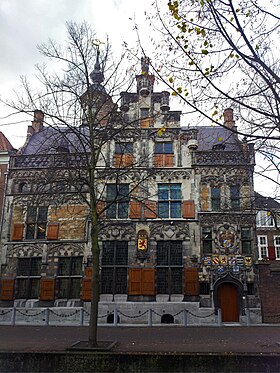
<point>228,118</point>
<point>37,123</point>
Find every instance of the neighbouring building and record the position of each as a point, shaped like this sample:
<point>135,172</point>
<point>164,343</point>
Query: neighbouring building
<point>183,238</point>
<point>268,240</point>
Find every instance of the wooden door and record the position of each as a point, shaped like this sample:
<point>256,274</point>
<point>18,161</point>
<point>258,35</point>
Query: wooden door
<point>228,302</point>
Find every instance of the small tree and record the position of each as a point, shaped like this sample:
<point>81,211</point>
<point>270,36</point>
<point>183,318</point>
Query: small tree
<point>220,54</point>
<point>77,104</point>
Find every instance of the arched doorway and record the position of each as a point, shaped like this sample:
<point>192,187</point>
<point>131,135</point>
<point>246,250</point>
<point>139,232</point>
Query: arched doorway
<point>229,301</point>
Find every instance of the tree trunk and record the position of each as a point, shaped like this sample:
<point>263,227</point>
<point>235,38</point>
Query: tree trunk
<point>95,279</point>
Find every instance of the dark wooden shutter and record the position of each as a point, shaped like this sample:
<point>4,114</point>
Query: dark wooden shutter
<point>17,232</point>
<point>168,160</point>
<point>134,281</point>
<point>271,253</point>
<point>148,281</point>
<point>188,210</point>
<point>135,211</point>
<point>52,231</point>
<point>86,289</point>
<point>47,286</point>
<point>88,272</point>
<point>191,281</point>
<point>158,160</point>
<point>7,289</point>
<point>150,210</point>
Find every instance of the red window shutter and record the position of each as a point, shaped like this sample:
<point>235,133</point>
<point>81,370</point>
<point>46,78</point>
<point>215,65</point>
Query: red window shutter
<point>191,281</point>
<point>188,210</point>
<point>128,160</point>
<point>134,281</point>
<point>47,286</point>
<point>52,232</point>
<point>135,211</point>
<point>117,160</point>
<point>17,232</point>
<point>7,289</point>
<point>158,160</point>
<point>148,281</point>
<point>150,210</point>
<point>88,272</point>
<point>271,253</point>
<point>168,160</point>
<point>86,289</point>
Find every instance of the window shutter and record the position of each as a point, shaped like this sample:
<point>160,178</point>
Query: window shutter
<point>117,160</point>
<point>158,160</point>
<point>148,281</point>
<point>7,289</point>
<point>86,289</point>
<point>145,123</point>
<point>99,207</point>
<point>168,160</point>
<point>88,272</point>
<point>128,160</point>
<point>204,197</point>
<point>52,232</point>
<point>271,253</point>
<point>150,210</point>
<point>47,286</point>
<point>188,210</point>
<point>191,281</point>
<point>17,232</point>
<point>134,281</point>
<point>135,211</point>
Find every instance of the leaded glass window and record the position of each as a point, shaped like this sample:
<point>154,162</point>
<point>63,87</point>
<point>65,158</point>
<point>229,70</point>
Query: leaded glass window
<point>117,201</point>
<point>169,200</point>
<point>36,223</point>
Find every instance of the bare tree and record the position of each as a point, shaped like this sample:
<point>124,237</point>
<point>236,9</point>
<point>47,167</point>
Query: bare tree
<point>215,54</point>
<point>76,104</point>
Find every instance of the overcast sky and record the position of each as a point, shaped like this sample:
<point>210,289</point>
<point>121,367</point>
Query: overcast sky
<point>26,23</point>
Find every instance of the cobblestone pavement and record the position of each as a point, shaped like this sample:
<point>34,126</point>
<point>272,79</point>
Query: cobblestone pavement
<point>226,339</point>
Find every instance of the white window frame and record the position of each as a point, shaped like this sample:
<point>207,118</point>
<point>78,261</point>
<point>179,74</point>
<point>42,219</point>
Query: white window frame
<point>277,246</point>
<point>264,220</point>
<point>262,246</point>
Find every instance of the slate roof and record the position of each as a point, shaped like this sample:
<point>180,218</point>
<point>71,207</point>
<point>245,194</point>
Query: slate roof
<point>216,135</point>
<point>266,203</point>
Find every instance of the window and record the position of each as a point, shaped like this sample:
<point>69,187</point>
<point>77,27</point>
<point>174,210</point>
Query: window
<point>206,240</point>
<point>246,240</point>
<point>263,247</point>
<point>123,148</point>
<point>114,267</point>
<point>28,278</point>
<point>144,113</point>
<point>264,219</point>
<point>169,267</point>
<point>216,199</point>
<point>23,188</point>
<point>69,277</point>
<point>235,197</point>
<point>117,201</point>
<point>36,223</point>
<point>277,246</point>
<point>169,200</point>
<point>163,148</point>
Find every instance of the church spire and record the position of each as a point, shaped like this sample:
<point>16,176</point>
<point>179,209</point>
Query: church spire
<point>96,75</point>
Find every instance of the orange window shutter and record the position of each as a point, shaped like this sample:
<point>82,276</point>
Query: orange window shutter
<point>7,289</point>
<point>158,160</point>
<point>145,123</point>
<point>188,210</point>
<point>168,160</point>
<point>150,210</point>
<point>134,281</point>
<point>17,232</point>
<point>99,207</point>
<point>191,281</point>
<point>86,289</point>
<point>117,160</point>
<point>88,272</point>
<point>135,211</point>
<point>128,160</point>
<point>148,281</point>
<point>47,286</point>
<point>52,232</point>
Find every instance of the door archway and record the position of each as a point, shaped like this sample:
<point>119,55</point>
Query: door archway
<point>229,301</point>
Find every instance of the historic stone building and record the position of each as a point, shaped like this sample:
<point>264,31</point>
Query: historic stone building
<point>178,230</point>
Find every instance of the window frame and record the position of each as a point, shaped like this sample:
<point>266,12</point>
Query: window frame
<point>28,283</point>
<point>216,199</point>
<point>277,246</point>
<point>206,242</point>
<point>262,247</point>
<point>235,197</point>
<point>69,278</point>
<point>161,147</point>
<point>123,147</point>
<point>246,240</point>
<point>36,222</point>
<point>262,217</point>
<point>170,207</point>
